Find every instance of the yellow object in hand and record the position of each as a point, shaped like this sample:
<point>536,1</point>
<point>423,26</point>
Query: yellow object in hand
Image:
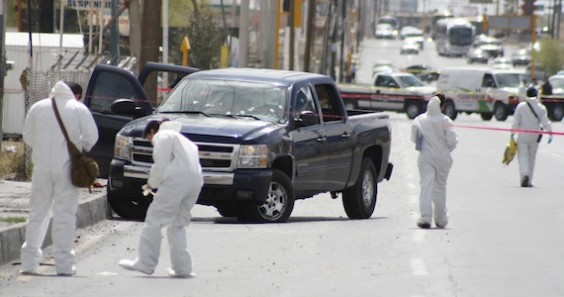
<point>510,152</point>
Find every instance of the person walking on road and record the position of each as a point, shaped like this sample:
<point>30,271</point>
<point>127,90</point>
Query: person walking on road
<point>435,139</point>
<point>177,175</point>
<point>529,117</point>
<point>51,185</point>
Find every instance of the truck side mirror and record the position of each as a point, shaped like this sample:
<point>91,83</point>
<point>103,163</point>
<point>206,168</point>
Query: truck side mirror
<point>126,107</point>
<point>307,118</point>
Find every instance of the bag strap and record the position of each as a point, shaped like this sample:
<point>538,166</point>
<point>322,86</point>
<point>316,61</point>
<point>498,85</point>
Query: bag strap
<point>60,120</point>
<point>533,110</point>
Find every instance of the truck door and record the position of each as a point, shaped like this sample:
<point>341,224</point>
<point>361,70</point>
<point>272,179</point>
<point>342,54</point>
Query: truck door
<point>107,84</point>
<point>339,141</point>
<point>308,142</point>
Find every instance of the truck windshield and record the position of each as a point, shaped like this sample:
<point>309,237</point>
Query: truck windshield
<point>409,81</point>
<point>509,80</point>
<point>249,100</point>
<point>460,36</point>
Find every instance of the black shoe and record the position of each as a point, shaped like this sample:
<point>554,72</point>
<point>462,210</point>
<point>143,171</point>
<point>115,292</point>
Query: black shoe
<point>423,225</point>
<point>525,182</point>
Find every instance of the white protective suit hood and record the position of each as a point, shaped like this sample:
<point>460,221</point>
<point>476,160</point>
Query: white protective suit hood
<point>439,139</point>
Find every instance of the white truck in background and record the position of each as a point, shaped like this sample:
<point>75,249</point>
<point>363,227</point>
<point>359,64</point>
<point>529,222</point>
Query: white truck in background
<point>489,92</point>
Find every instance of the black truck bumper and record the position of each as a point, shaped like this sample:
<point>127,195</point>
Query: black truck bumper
<point>240,186</point>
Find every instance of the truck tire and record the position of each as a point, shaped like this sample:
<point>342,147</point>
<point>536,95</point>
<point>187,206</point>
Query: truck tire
<point>486,116</point>
<point>557,112</point>
<point>450,110</point>
<point>126,207</point>
<point>412,109</point>
<point>500,112</point>
<point>359,201</point>
<point>278,205</point>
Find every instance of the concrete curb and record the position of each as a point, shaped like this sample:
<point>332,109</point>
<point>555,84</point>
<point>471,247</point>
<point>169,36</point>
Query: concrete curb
<point>90,211</point>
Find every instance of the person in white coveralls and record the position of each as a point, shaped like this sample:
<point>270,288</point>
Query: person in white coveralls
<point>435,139</point>
<point>529,117</point>
<point>51,186</point>
<point>177,174</point>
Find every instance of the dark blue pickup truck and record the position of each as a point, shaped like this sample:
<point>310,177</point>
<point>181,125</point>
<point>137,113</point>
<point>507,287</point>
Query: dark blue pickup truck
<point>265,137</point>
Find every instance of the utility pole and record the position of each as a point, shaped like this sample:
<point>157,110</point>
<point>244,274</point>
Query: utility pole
<point>343,35</point>
<point>292,28</point>
<point>243,33</point>
<point>3,17</point>
<point>311,8</point>
<point>150,42</point>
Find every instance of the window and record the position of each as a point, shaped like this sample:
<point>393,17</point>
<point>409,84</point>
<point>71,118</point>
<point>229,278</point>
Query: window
<point>330,107</point>
<point>488,81</point>
<point>108,88</point>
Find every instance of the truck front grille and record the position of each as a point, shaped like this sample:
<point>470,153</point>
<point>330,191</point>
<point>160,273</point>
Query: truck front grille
<point>213,156</point>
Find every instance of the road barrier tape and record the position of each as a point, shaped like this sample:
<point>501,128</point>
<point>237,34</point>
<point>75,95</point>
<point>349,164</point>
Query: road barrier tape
<point>508,130</point>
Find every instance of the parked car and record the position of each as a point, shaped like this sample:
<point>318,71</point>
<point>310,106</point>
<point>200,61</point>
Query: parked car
<point>491,45</point>
<point>502,63</point>
<point>521,57</point>
<point>385,31</point>
<point>382,66</point>
<point>413,33</point>
<point>409,46</point>
<point>266,138</point>
<point>477,55</point>
<point>557,83</point>
<point>397,91</point>
<point>423,72</point>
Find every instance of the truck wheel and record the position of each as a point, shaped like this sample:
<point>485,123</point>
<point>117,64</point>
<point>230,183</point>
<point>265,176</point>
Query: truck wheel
<point>412,109</point>
<point>278,205</point>
<point>450,110</point>
<point>126,207</point>
<point>360,200</point>
<point>486,116</point>
<point>500,112</point>
<point>557,113</point>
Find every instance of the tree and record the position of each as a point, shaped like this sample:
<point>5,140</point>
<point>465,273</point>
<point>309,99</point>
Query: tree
<point>205,35</point>
<point>550,57</point>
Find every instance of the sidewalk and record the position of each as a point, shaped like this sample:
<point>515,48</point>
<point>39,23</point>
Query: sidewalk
<point>14,198</point>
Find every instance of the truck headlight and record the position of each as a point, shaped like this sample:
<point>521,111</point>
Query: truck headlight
<point>253,156</point>
<point>122,147</point>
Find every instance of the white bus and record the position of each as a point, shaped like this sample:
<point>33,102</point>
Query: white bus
<point>454,36</point>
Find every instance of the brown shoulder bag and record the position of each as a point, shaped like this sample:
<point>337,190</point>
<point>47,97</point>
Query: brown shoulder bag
<point>84,169</point>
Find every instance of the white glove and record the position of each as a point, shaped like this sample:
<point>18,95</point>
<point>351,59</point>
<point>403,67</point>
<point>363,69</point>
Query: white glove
<point>147,190</point>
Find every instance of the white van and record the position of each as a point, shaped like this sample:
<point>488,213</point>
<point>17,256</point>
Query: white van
<point>489,92</point>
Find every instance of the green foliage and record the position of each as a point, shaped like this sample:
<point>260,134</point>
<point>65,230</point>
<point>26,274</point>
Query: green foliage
<point>550,56</point>
<point>206,38</point>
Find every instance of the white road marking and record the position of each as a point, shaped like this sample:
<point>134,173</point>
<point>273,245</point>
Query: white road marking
<point>418,267</point>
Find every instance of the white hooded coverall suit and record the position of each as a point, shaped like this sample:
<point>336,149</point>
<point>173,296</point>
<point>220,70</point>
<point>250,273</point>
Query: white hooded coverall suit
<point>177,175</point>
<point>435,161</point>
<point>527,145</point>
<point>51,181</point>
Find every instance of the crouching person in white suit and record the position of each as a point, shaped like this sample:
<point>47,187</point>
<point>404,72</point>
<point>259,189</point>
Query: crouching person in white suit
<point>177,175</point>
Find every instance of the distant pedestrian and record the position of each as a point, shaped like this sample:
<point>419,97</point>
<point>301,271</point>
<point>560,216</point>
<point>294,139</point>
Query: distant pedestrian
<point>546,88</point>
<point>51,185</point>
<point>435,139</point>
<point>530,116</point>
<point>177,175</point>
